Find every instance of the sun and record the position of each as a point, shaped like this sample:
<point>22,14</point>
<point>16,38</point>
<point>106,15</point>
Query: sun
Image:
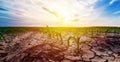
<point>63,15</point>
<point>67,20</point>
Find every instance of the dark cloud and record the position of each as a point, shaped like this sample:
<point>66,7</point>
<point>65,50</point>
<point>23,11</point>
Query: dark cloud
<point>3,9</point>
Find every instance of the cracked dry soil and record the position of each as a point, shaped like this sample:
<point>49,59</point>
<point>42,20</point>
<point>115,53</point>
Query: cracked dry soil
<point>37,47</point>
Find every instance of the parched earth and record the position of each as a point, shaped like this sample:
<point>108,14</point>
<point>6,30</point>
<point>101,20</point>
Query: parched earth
<point>39,47</point>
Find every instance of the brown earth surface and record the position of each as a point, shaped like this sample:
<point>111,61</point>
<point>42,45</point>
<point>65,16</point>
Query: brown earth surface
<point>40,47</point>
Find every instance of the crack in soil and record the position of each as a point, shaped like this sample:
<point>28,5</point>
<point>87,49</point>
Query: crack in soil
<point>37,47</point>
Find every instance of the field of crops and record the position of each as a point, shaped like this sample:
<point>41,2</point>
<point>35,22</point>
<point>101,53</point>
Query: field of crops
<point>59,44</point>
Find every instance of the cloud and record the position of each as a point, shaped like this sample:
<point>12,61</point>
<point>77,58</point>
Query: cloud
<point>41,12</point>
<point>112,1</point>
<point>33,11</point>
<point>117,12</point>
<point>2,9</point>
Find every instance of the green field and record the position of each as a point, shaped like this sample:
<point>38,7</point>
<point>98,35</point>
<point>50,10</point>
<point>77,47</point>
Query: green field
<point>75,29</point>
<point>83,30</point>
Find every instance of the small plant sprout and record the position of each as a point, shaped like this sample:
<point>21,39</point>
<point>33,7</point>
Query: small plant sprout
<point>75,40</point>
<point>1,36</point>
<point>59,38</point>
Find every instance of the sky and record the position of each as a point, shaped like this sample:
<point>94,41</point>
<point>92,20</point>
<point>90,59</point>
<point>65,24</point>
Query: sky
<point>59,13</point>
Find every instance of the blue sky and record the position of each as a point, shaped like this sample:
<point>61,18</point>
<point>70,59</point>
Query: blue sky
<point>75,13</point>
